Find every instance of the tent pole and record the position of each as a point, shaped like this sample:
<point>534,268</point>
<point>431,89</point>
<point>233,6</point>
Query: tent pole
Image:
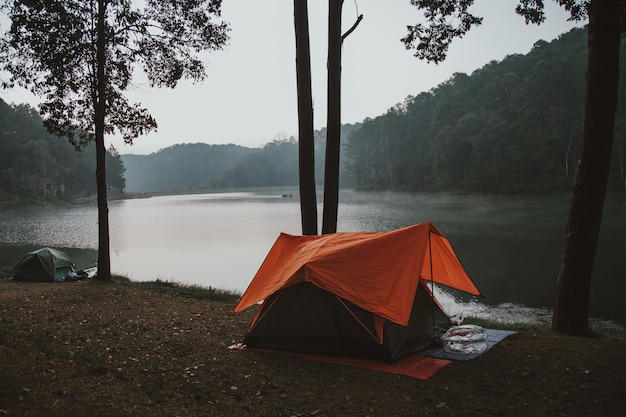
<point>432,281</point>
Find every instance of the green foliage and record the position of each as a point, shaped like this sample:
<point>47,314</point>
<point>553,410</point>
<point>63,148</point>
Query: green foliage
<point>182,167</point>
<point>27,150</point>
<point>445,22</point>
<point>80,54</point>
<point>115,170</point>
<point>36,165</point>
<point>199,166</point>
<point>511,126</point>
<point>532,10</point>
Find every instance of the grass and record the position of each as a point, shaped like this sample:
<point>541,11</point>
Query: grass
<point>131,349</point>
<point>600,328</point>
<point>168,287</point>
<point>182,290</point>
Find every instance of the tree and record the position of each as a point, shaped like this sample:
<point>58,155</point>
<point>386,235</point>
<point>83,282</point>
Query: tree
<point>333,119</point>
<point>80,56</point>
<point>585,212</point>
<point>306,140</point>
<point>606,20</point>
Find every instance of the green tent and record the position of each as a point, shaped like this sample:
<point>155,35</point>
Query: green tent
<point>45,264</point>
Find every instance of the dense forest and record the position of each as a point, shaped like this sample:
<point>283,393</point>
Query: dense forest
<point>511,126</point>
<point>36,165</point>
<point>200,166</point>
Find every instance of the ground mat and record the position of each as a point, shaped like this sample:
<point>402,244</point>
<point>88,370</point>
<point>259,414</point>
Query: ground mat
<point>421,366</point>
<point>414,366</point>
<point>493,338</point>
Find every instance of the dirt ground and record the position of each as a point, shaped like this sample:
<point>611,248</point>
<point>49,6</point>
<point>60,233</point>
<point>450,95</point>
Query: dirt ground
<point>94,349</point>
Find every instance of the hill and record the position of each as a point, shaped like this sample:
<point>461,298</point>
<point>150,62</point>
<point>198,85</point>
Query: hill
<point>181,167</point>
<point>512,126</point>
<point>200,166</point>
<point>35,165</point>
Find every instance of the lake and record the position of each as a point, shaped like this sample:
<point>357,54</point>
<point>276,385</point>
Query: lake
<point>511,246</point>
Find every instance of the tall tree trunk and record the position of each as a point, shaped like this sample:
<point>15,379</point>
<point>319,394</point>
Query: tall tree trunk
<point>333,120</point>
<point>104,259</point>
<point>306,142</point>
<point>585,213</point>
<point>621,158</point>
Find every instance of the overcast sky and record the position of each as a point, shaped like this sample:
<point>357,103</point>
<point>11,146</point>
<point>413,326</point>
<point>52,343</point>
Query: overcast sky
<point>249,95</point>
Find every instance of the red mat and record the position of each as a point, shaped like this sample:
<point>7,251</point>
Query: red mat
<point>415,366</point>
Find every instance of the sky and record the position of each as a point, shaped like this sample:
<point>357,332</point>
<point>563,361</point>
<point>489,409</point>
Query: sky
<point>249,95</point>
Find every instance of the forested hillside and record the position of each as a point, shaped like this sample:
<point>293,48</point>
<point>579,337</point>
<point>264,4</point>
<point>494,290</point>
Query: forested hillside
<point>181,167</point>
<point>199,166</point>
<point>37,165</point>
<point>511,126</point>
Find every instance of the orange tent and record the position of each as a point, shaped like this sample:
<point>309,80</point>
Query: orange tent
<point>377,273</point>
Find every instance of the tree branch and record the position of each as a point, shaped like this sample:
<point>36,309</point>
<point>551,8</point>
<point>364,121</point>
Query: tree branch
<point>358,20</point>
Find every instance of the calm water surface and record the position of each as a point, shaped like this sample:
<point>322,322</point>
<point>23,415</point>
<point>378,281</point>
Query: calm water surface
<point>510,246</point>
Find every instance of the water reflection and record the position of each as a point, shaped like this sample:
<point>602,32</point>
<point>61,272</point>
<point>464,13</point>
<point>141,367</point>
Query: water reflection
<point>73,227</point>
<point>214,240</point>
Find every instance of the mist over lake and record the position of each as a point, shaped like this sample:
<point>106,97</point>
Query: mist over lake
<point>511,246</point>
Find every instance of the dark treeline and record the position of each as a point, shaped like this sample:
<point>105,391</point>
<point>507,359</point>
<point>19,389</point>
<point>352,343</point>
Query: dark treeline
<point>200,166</point>
<point>512,126</point>
<point>277,163</point>
<point>181,167</point>
<point>36,165</point>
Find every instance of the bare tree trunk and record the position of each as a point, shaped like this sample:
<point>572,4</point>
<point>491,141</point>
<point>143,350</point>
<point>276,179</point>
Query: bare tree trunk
<point>585,213</point>
<point>621,159</point>
<point>333,120</point>
<point>104,259</point>
<point>306,142</point>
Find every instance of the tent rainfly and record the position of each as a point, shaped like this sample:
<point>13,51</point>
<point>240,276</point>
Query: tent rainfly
<point>354,294</point>
<point>45,264</point>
